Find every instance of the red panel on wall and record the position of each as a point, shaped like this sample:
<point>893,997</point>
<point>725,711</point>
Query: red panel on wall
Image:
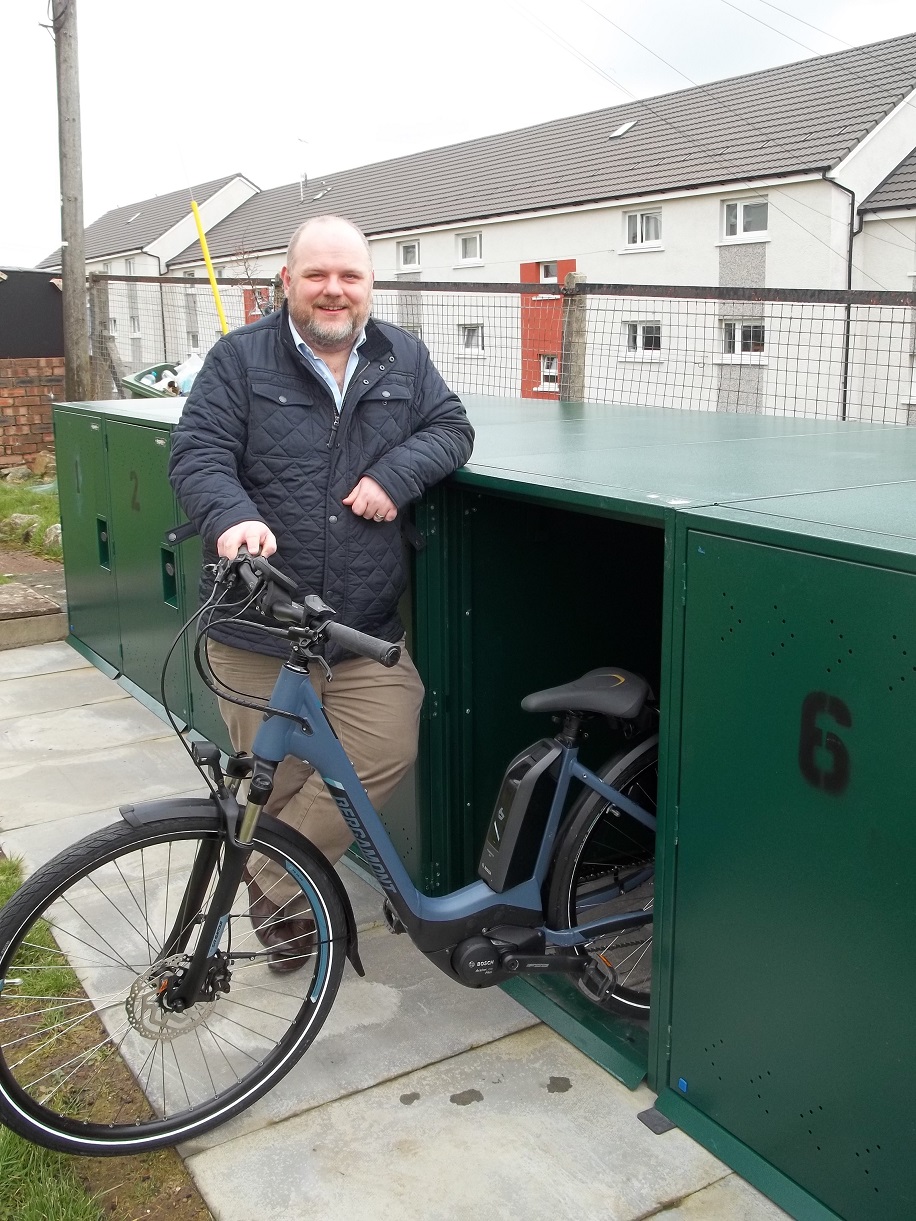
<point>542,327</point>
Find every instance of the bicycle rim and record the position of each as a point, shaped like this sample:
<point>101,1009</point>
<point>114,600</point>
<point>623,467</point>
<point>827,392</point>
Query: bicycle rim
<point>89,1060</point>
<point>606,849</point>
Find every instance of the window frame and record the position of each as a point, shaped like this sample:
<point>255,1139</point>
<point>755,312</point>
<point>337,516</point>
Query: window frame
<point>135,330</point>
<point>636,352</point>
<point>549,279</point>
<point>748,356</point>
<point>549,387</point>
<point>462,260</point>
<point>641,242</point>
<point>130,267</point>
<point>401,247</point>
<point>742,234</point>
<point>463,350</point>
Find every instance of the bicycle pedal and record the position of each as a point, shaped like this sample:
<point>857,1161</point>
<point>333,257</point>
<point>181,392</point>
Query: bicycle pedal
<point>393,921</point>
<point>597,981</point>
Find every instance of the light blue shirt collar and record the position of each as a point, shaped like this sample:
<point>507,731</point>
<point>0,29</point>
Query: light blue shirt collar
<point>322,369</point>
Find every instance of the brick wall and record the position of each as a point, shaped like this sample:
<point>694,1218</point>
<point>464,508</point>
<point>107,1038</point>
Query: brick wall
<point>28,387</point>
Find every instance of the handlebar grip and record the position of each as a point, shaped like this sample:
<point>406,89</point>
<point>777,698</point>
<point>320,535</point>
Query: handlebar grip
<point>366,646</point>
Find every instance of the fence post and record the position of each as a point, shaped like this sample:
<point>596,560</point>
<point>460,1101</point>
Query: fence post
<point>106,368</point>
<point>572,355</point>
<point>98,327</point>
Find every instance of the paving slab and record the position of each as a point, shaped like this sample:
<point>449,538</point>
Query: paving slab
<point>59,785</point>
<point>38,843</point>
<point>41,659</point>
<point>109,725</point>
<point>526,1127</point>
<point>731,1199</point>
<point>70,689</point>
<point>403,1015</point>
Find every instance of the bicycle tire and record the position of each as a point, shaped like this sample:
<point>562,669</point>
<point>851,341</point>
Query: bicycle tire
<point>598,843</point>
<point>85,928</point>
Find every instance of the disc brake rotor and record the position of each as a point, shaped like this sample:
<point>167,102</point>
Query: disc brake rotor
<point>150,1018</point>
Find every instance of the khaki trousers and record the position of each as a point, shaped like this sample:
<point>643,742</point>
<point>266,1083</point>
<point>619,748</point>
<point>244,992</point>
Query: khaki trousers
<point>375,713</point>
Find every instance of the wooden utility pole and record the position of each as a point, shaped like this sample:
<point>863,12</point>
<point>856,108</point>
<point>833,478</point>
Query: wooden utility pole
<point>73,254</point>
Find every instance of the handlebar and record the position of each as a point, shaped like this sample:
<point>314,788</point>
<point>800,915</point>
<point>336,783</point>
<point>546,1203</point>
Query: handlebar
<point>272,589</point>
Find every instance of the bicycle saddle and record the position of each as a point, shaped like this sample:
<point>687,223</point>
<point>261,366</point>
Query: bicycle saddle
<point>610,692</point>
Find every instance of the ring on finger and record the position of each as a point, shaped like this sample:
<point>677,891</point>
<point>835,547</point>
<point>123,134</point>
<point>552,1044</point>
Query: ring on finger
<point>379,517</point>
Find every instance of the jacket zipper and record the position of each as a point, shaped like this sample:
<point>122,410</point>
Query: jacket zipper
<point>334,428</point>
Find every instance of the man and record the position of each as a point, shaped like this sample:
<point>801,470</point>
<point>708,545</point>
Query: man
<point>307,434</point>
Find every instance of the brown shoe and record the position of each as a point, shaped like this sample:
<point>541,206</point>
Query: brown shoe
<point>291,939</point>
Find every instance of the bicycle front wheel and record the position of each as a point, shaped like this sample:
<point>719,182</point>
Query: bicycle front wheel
<point>604,865</point>
<point>90,1062</point>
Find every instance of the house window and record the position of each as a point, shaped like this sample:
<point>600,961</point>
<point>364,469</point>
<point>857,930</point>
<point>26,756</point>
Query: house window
<point>189,288</point>
<point>644,337</point>
<point>416,331</point>
<point>129,267</point>
<point>471,339</point>
<point>745,217</point>
<point>470,247</point>
<point>112,326</point>
<point>644,228</point>
<point>550,372</point>
<point>408,254</point>
<point>106,269</point>
<point>744,338</point>
<point>193,339</point>
<point>548,273</point>
<point>135,324</point>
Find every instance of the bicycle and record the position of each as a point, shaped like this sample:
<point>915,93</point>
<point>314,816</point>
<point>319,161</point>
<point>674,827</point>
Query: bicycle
<point>140,941</point>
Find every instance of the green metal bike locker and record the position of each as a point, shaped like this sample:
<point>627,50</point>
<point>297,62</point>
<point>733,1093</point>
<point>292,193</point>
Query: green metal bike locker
<point>792,990</point>
<point>562,546</point>
<point>82,481</point>
<point>149,604</point>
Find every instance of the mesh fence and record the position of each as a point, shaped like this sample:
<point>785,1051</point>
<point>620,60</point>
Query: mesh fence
<point>834,355</point>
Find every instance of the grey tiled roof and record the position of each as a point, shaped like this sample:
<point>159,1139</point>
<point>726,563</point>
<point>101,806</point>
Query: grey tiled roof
<point>134,226</point>
<point>797,117</point>
<point>898,190</point>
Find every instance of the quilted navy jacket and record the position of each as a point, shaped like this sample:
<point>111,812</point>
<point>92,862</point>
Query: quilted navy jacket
<point>257,441</point>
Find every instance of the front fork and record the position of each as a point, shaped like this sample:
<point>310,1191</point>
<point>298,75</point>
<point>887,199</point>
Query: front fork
<point>185,990</point>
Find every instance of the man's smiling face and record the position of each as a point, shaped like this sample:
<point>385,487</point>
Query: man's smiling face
<point>328,284</point>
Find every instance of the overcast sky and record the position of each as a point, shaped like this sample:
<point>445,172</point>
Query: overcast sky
<point>175,92</point>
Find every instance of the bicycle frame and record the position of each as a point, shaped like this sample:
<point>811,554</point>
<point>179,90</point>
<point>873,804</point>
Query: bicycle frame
<point>433,923</point>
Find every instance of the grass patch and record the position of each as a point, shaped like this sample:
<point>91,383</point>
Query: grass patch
<point>38,1185</point>
<point>24,498</point>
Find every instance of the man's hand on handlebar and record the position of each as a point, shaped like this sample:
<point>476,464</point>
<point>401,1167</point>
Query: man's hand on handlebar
<point>255,536</point>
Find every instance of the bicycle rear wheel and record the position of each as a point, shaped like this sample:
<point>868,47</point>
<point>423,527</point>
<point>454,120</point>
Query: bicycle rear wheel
<point>89,1061</point>
<point>600,850</point>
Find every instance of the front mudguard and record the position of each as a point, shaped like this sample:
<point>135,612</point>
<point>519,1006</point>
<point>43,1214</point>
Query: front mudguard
<point>146,812</point>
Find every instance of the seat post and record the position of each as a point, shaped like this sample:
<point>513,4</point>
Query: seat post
<point>572,727</point>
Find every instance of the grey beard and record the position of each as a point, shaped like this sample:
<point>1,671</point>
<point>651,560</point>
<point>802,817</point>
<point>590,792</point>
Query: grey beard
<point>331,338</point>
<point>314,333</point>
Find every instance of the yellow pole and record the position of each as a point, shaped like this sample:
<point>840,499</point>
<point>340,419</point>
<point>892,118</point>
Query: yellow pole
<point>210,272</point>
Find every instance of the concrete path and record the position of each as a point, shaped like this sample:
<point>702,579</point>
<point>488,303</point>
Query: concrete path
<point>420,1100</point>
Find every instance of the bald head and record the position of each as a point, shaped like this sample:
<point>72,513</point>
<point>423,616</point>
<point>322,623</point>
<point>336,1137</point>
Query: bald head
<point>324,229</point>
<point>328,282</point>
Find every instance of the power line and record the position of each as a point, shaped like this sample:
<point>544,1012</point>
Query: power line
<point>786,13</point>
<point>742,119</point>
<point>749,183</point>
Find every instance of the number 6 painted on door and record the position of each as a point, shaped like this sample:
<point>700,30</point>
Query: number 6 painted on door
<point>812,737</point>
